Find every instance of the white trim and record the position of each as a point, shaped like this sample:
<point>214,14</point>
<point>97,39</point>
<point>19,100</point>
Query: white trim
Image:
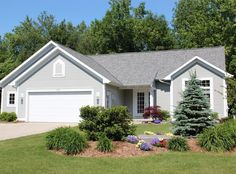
<point>105,80</point>
<point>171,99</point>
<point>27,60</point>
<point>34,65</point>
<point>2,100</point>
<point>51,90</point>
<point>103,95</point>
<point>151,97</point>
<point>211,88</point>
<point>109,94</point>
<point>8,99</point>
<point>17,102</point>
<point>62,63</point>
<point>168,77</point>
<point>225,98</point>
<point>146,99</point>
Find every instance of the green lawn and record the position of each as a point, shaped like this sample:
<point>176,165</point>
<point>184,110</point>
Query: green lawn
<point>162,128</point>
<point>28,155</point>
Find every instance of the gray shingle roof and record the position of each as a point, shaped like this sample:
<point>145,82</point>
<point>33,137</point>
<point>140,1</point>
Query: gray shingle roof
<point>92,64</point>
<point>141,68</point>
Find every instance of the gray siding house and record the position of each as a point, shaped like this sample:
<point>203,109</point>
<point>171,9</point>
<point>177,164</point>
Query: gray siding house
<point>55,82</point>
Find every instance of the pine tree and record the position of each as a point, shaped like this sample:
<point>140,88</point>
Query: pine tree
<point>193,113</point>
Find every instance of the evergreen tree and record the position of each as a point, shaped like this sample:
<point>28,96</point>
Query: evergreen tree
<point>193,113</point>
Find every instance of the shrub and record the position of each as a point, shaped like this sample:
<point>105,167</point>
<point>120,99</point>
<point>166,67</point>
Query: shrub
<point>178,144</point>
<point>155,142</point>
<point>163,143</point>
<point>115,122</point>
<point>139,143</point>
<point>153,112</point>
<point>67,139</point>
<point>132,139</point>
<point>104,144</point>
<point>192,114</point>
<point>57,138</point>
<point>145,146</point>
<point>8,116</point>
<point>159,143</point>
<point>219,138</point>
<point>76,143</point>
<point>165,114</point>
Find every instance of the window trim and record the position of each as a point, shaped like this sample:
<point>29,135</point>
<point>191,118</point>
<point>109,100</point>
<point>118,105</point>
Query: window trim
<point>211,88</point>
<point>109,97</point>
<point>137,102</point>
<point>62,63</point>
<point>8,99</point>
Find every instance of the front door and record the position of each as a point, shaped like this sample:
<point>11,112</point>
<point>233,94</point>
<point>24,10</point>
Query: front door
<point>141,100</point>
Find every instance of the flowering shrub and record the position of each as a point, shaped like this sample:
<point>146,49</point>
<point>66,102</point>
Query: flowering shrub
<point>145,146</point>
<point>153,112</point>
<point>132,139</point>
<point>157,121</point>
<point>163,143</point>
<point>139,143</point>
<point>155,142</point>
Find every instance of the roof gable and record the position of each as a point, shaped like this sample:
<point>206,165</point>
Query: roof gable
<point>27,63</point>
<point>193,61</point>
<point>26,67</point>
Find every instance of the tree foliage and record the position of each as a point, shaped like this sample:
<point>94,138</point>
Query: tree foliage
<point>127,29</point>
<point>206,23</point>
<point>30,35</point>
<point>123,29</point>
<point>193,113</point>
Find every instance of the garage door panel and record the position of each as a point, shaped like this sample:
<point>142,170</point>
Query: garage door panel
<point>57,106</point>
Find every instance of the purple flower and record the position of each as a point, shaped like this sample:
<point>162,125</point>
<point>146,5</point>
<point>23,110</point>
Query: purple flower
<point>155,141</point>
<point>132,139</point>
<point>157,121</point>
<point>145,146</point>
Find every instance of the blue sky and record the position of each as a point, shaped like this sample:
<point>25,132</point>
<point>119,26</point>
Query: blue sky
<point>12,12</point>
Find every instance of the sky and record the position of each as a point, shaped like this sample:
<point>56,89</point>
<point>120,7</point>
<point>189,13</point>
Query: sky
<point>12,12</point>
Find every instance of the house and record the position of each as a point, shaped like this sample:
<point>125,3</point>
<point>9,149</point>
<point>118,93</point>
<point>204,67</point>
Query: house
<point>56,81</point>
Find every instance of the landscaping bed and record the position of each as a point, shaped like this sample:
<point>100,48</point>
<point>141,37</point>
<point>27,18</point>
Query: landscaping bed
<point>121,149</point>
<point>124,149</point>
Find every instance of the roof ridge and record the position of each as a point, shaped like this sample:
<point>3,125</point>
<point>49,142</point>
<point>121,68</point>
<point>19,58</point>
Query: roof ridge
<point>158,51</point>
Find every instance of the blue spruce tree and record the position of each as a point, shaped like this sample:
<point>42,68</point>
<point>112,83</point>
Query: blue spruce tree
<point>193,113</point>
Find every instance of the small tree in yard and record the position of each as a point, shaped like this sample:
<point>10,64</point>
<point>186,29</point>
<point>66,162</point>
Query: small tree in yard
<point>193,113</point>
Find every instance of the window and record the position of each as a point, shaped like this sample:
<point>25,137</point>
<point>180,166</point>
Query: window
<point>11,99</point>
<point>206,85</point>
<point>59,68</point>
<point>108,99</point>
<point>140,102</point>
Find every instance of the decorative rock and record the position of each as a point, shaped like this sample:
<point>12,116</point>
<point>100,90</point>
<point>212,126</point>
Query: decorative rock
<point>148,138</point>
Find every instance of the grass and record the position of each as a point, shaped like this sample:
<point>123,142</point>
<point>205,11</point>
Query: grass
<point>162,128</point>
<point>29,155</point>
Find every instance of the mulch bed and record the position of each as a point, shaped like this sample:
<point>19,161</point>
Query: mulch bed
<point>125,149</point>
<point>121,149</point>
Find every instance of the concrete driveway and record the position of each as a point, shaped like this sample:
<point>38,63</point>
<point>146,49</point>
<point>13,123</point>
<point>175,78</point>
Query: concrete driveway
<point>15,130</point>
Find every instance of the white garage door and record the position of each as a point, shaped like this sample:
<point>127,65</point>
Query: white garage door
<point>57,106</point>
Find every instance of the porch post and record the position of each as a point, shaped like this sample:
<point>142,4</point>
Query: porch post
<point>151,97</point>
